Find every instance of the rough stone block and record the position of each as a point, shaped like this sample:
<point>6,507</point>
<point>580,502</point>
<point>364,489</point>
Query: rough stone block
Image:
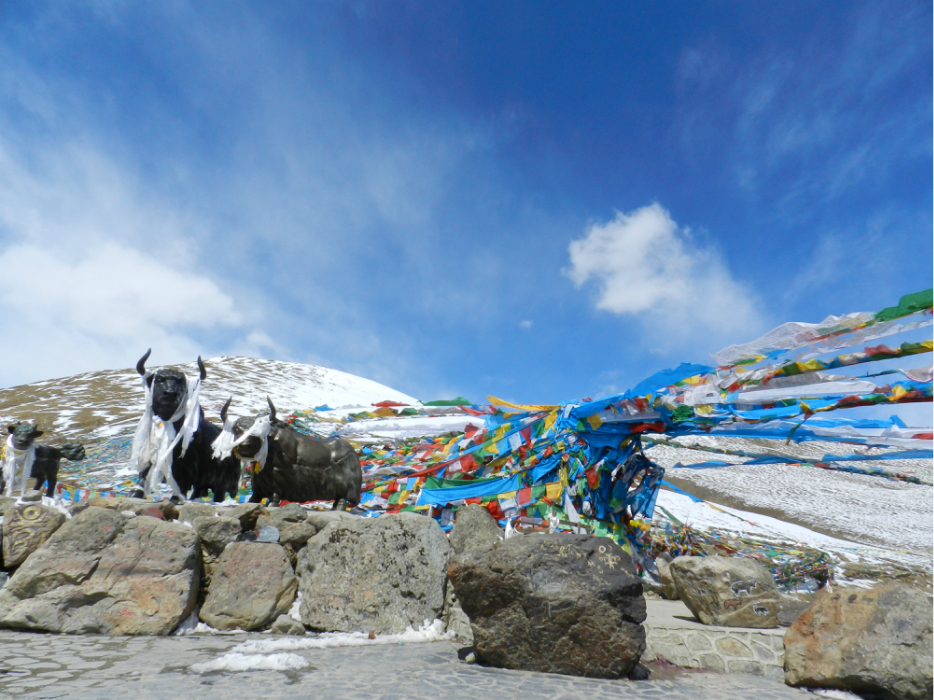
<point>727,591</point>
<point>106,574</point>
<point>866,641</point>
<point>474,528</point>
<point>216,532</point>
<point>381,575</point>
<point>253,584</point>
<point>565,603</point>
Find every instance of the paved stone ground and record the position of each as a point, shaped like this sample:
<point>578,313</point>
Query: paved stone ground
<point>34,666</point>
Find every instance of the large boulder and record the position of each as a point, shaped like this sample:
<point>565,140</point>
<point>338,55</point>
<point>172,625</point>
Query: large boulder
<point>26,527</point>
<point>253,584</point>
<point>104,573</point>
<point>875,641</point>
<point>556,603</point>
<point>727,591</point>
<point>474,528</point>
<point>380,575</point>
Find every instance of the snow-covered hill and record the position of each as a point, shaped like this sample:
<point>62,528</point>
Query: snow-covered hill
<point>98,405</point>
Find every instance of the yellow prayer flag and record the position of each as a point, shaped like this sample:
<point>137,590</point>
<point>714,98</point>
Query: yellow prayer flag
<point>595,421</point>
<point>499,402</point>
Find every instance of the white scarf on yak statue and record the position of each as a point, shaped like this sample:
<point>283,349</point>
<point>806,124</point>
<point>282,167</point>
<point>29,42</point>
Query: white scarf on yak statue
<point>226,443</point>
<point>16,463</point>
<point>155,439</point>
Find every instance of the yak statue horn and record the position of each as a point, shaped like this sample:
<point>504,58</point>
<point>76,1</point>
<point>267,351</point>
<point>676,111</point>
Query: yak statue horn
<point>202,368</point>
<point>141,365</point>
<point>224,410</point>
<point>272,410</point>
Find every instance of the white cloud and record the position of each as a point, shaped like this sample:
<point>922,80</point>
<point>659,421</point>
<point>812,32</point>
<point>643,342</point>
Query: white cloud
<point>525,324</point>
<point>100,310</point>
<point>96,268</point>
<point>644,265</point>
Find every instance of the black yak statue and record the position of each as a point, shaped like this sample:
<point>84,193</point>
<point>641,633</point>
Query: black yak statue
<point>23,458</point>
<point>173,440</point>
<point>286,465</point>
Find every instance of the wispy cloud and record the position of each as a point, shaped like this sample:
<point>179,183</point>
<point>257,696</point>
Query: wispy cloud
<point>813,120</point>
<point>94,270</point>
<point>256,204</point>
<point>645,266</point>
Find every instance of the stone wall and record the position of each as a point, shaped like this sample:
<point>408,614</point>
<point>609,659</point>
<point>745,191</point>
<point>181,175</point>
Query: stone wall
<point>673,634</point>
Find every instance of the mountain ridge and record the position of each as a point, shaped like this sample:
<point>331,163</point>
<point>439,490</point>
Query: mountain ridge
<point>95,405</point>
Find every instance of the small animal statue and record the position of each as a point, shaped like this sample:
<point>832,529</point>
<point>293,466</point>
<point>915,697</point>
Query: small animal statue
<point>286,465</point>
<point>23,458</point>
<point>173,441</point>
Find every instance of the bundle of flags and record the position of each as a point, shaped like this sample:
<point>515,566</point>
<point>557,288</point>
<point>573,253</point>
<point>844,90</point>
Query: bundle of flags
<point>581,465</point>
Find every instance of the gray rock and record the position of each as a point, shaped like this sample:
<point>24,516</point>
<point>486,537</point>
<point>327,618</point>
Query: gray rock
<point>669,590</point>
<point>454,618</point>
<point>140,506</point>
<point>246,513</point>
<point>322,518</point>
<point>253,584</point>
<point>558,603</point>
<point>290,513</point>
<point>101,573</point>
<point>187,512</point>
<point>6,504</point>
<point>216,532</point>
<point>381,575</point>
<point>727,591</point>
<point>282,517</point>
<point>268,534</point>
<point>875,641</point>
<point>26,527</point>
<point>652,590</point>
<point>286,625</point>
<point>32,496</point>
<point>474,528</point>
<point>296,534</point>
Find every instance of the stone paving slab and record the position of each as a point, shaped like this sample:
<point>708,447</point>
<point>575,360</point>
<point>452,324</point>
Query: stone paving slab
<point>47,667</point>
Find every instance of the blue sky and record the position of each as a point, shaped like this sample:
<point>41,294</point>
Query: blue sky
<point>540,201</point>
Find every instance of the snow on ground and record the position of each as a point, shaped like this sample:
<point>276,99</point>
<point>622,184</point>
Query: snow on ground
<point>405,428</point>
<point>866,509</point>
<point>234,661</point>
<point>277,653</point>
<point>708,516</point>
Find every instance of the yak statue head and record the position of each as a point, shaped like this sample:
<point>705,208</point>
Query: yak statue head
<point>169,387</point>
<point>249,448</point>
<point>24,435</point>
